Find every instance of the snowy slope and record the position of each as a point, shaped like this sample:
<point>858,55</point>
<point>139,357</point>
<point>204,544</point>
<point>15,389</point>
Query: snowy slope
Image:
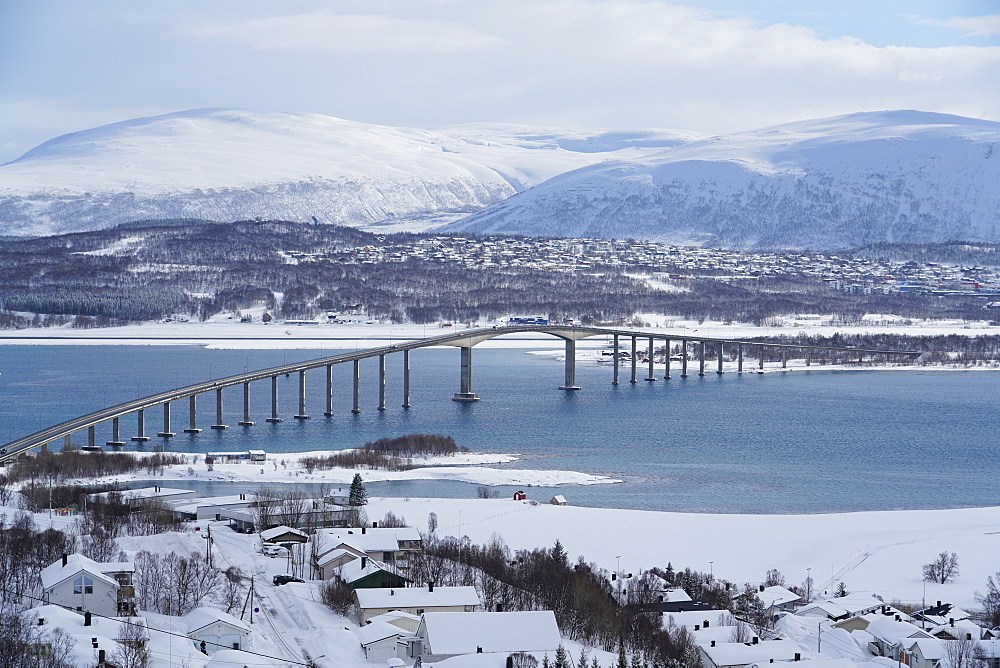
<point>225,164</point>
<point>829,183</point>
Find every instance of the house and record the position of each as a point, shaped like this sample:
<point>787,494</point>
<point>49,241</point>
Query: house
<point>212,630</point>
<point>244,520</point>
<point>89,635</point>
<point>696,619</point>
<point>824,610</point>
<point>961,628</point>
<point>136,497</point>
<point>234,658</point>
<point>923,653</point>
<point>253,456</point>
<point>777,599</point>
<point>82,584</point>
<point>737,654</point>
<point>365,573</point>
<point>389,544</point>
<point>415,600</point>
<point>380,641</point>
<point>445,634</point>
<point>519,495</point>
<point>210,508</point>
<point>282,534</point>
<point>558,500</point>
<point>891,632</point>
<point>403,620</point>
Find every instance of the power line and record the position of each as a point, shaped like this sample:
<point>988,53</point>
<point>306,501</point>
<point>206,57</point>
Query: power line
<point>153,628</point>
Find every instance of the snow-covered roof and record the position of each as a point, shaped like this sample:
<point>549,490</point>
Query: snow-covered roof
<point>55,573</point>
<point>690,618</point>
<point>777,596</point>
<point>930,648</point>
<point>191,507</point>
<point>830,608</point>
<point>352,570</point>
<point>372,540</point>
<point>378,631</point>
<point>888,630</point>
<point>281,530</point>
<point>104,629</point>
<point>416,597</point>
<point>959,629</point>
<point>741,654</point>
<point>201,617</point>
<point>338,552</point>
<point>465,632</point>
<point>717,633</point>
<point>675,595</point>
<point>143,493</point>
<point>394,616</point>
<point>234,658</point>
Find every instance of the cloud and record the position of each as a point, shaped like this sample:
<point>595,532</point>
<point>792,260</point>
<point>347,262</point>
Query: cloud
<point>970,26</point>
<point>330,31</point>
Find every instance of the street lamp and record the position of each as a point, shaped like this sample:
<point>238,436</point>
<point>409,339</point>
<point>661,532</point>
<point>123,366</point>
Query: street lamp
<point>711,571</point>
<point>618,569</point>
<point>809,584</point>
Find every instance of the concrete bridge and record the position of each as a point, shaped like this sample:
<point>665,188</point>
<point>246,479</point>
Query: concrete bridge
<point>464,340</point>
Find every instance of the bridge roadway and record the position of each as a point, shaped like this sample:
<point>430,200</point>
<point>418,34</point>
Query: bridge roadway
<point>465,340</point>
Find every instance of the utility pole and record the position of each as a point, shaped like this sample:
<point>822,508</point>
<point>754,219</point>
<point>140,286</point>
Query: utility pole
<point>208,545</point>
<point>819,643</point>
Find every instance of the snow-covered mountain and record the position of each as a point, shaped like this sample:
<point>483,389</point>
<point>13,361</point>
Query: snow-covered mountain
<point>225,164</point>
<point>829,183</point>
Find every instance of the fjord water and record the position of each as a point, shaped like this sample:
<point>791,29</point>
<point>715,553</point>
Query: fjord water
<point>795,442</point>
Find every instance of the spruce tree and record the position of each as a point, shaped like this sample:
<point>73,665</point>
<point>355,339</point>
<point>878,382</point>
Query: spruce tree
<point>359,496</point>
<point>562,660</point>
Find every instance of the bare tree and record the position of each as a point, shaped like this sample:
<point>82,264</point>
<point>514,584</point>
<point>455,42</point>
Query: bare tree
<point>173,584</point>
<point>99,545</point>
<point>131,651</point>
<point>741,632</point>
<point>390,520</point>
<point>231,593</point>
<point>942,569</point>
<point>293,504</point>
<point>990,601</point>
<point>774,578</point>
<point>965,653</point>
<point>264,507</point>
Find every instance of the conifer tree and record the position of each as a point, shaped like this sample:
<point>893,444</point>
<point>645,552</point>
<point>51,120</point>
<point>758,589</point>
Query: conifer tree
<point>359,496</point>
<point>562,660</point>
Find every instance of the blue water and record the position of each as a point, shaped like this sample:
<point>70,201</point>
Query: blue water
<point>801,441</point>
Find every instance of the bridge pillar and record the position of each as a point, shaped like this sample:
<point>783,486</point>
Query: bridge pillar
<point>219,424</point>
<point>635,359</point>
<point>140,420</point>
<point>92,436</point>
<point>739,358</point>
<point>406,379</point>
<point>684,358</point>
<point>193,413</point>
<point>301,415</point>
<point>701,358</point>
<point>615,360</point>
<point>649,360</point>
<point>274,401</point>
<point>166,433</point>
<point>246,421</point>
<point>761,358</point>
<point>116,433</point>
<point>328,399</point>
<point>357,387</point>
<point>718,353</point>
<point>465,387</point>
<point>67,441</point>
<point>808,358</point>
<point>381,382</point>
<point>570,376</point>
<point>784,358</point>
<point>666,359</point>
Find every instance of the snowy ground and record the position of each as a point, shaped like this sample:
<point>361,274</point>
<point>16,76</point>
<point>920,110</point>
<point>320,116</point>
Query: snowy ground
<point>876,552</point>
<point>287,467</point>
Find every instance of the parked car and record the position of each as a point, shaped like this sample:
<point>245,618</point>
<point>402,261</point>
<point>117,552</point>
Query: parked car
<point>272,551</point>
<point>285,579</point>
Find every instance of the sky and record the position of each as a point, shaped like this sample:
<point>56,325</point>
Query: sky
<point>710,66</point>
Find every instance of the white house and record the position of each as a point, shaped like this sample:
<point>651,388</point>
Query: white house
<point>923,653</point>
<point>738,654</point>
<point>415,600</point>
<point>446,634</point>
<point>216,629</point>
<point>82,584</point>
<point>136,496</point>
<point>890,634</point>
<point>778,599</point>
<point>403,620</point>
<point>381,641</point>
<point>390,544</point>
<point>824,610</point>
<point>283,534</point>
<point>88,637</point>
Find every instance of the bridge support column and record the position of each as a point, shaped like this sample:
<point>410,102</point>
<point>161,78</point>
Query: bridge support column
<point>465,386</point>
<point>649,360</point>
<point>219,424</point>
<point>615,360</point>
<point>140,423</point>
<point>166,433</point>
<point>784,358</point>
<point>718,352</point>
<point>328,399</point>
<point>809,358</point>
<point>274,401</point>
<point>701,358</point>
<point>684,358</point>
<point>761,358</point>
<point>666,359</point>
<point>116,433</point>
<point>92,436</point>
<point>301,415</point>
<point>739,358</point>
<point>357,387</point>
<point>406,379</point>
<point>246,421</point>
<point>635,359</point>
<point>381,382</point>
<point>67,441</point>
<point>570,376</point>
<point>193,414</point>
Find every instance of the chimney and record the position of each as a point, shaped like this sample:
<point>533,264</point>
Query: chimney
<point>374,525</point>
<point>704,624</point>
<point>939,604</point>
<point>65,558</point>
<point>364,562</point>
<point>898,619</point>
<point>968,636</point>
<point>951,622</point>
<point>510,661</point>
<point>430,586</point>
<point>713,643</point>
<point>499,607</point>
<point>479,650</point>
<point>697,627</point>
<point>41,621</point>
<point>86,618</point>
<point>762,587</point>
<point>798,657</point>
<point>363,530</point>
<point>755,640</point>
<point>100,657</point>
<point>392,592</point>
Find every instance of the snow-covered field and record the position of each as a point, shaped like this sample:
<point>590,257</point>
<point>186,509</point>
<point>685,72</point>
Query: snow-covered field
<point>288,468</point>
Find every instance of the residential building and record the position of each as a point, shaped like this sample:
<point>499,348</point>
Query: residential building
<point>445,634</point>
<point>78,583</point>
<point>415,600</point>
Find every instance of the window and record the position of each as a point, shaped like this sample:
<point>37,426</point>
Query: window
<point>83,585</point>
